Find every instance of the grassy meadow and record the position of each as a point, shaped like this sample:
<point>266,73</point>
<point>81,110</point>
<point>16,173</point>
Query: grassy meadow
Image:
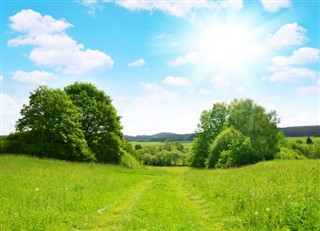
<point>315,140</point>
<point>38,194</point>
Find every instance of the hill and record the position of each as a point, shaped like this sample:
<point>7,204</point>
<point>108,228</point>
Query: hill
<point>297,131</point>
<point>301,131</point>
<point>161,137</point>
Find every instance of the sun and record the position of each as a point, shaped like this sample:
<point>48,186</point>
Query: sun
<point>227,45</point>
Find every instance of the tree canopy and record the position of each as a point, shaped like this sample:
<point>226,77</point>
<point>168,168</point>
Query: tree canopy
<point>50,126</point>
<point>77,123</point>
<point>99,121</point>
<point>226,132</point>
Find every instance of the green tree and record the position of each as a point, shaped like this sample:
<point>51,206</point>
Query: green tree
<point>246,117</point>
<point>220,144</point>
<point>50,127</point>
<point>99,122</point>
<point>211,124</point>
<point>253,121</point>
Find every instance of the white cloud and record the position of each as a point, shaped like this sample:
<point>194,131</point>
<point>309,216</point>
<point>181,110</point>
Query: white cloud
<point>137,63</point>
<point>204,91</point>
<point>220,82</point>
<point>293,75</point>
<point>241,90</point>
<point>274,6</point>
<point>175,81</point>
<point>156,112</point>
<point>300,118</point>
<point>150,86</point>
<point>287,35</point>
<point>9,105</point>
<point>304,55</point>
<point>176,8</point>
<point>53,47</point>
<point>291,69</point>
<point>33,23</point>
<point>9,113</point>
<point>309,90</point>
<point>161,36</point>
<point>34,77</point>
<point>191,57</point>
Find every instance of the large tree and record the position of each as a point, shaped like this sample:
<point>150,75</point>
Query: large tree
<point>260,126</point>
<point>211,124</point>
<point>251,120</point>
<point>50,127</point>
<point>99,122</point>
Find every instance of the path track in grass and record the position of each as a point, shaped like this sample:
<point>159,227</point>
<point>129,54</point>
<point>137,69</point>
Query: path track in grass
<point>160,204</point>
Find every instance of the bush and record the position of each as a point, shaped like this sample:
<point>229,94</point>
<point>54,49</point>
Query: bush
<point>230,149</point>
<point>315,151</point>
<point>288,154</point>
<point>128,161</point>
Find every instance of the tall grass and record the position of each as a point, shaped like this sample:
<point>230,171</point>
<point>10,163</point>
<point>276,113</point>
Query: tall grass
<point>278,195</point>
<point>55,195</point>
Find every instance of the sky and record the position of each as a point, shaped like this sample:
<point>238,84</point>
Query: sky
<point>164,62</point>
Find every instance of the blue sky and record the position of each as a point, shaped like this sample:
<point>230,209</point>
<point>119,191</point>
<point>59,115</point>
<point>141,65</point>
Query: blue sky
<point>164,62</point>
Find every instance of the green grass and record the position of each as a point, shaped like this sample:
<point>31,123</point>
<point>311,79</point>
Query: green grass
<point>186,144</point>
<point>315,140</point>
<point>55,195</point>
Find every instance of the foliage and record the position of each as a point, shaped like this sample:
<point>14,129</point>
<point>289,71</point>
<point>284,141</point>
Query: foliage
<point>128,161</point>
<point>3,144</point>
<point>260,126</point>
<point>167,154</point>
<point>230,149</point>
<point>309,141</point>
<point>50,127</point>
<point>288,154</point>
<point>99,122</point>
<point>258,129</point>
<point>311,151</point>
<point>211,124</point>
<point>78,123</point>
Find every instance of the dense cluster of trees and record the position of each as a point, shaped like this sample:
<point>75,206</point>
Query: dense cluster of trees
<point>167,154</point>
<point>78,123</point>
<point>240,133</point>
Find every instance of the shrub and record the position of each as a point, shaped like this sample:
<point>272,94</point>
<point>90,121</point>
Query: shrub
<point>128,161</point>
<point>288,154</point>
<point>230,149</point>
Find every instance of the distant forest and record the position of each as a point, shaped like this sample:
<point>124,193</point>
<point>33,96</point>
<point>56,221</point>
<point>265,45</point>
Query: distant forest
<point>161,137</point>
<point>298,131</point>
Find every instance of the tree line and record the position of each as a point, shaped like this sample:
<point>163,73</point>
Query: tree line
<point>79,123</point>
<point>166,154</point>
<point>161,137</point>
<point>301,131</point>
